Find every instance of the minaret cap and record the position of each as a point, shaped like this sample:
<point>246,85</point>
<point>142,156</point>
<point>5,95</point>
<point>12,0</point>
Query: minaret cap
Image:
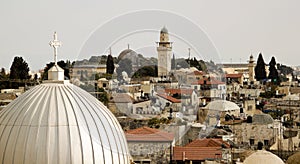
<point>164,30</point>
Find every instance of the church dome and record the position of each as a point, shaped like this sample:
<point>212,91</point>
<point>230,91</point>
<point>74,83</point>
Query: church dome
<point>127,53</point>
<point>263,157</point>
<point>57,122</point>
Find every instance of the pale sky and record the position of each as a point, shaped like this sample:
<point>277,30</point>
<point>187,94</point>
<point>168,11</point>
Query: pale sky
<point>228,30</point>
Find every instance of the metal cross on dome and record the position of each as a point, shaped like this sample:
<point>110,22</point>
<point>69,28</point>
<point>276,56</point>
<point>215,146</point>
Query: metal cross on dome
<point>55,44</point>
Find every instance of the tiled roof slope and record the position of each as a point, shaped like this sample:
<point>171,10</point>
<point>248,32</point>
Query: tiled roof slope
<point>234,75</point>
<point>169,98</point>
<point>146,134</point>
<point>208,82</point>
<point>208,142</point>
<point>196,153</point>
<point>179,91</point>
<point>200,149</point>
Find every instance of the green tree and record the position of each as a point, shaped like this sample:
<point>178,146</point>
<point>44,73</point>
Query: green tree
<point>103,96</point>
<point>183,64</point>
<point>19,69</point>
<point>146,71</point>
<point>260,70</point>
<point>110,67</point>
<point>195,63</point>
<point>273,73</point>
<point>124,65</point>
<point>64,65</point>
<point>3,74</point>
<point>4,83</point>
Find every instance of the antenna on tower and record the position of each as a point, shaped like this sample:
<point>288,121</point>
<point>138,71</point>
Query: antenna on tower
<point>128,46</point>
<point>189,53</point>
<point>110,50</point>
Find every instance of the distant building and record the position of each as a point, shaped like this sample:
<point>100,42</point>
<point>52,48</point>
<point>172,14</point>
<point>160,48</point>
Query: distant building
<point>211,88</point>
<point>247,69</point>
<point>103,83</point>
<point>195,76</point>
<point>6,98</point>
<point>236,77</point>
<point>87,71</point>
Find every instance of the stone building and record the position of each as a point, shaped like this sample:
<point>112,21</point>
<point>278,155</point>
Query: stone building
<point>149,145</point>
<point>260,130</point>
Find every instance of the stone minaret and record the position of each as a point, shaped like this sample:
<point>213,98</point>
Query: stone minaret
<point>251,65</point>
<point>164,51</point>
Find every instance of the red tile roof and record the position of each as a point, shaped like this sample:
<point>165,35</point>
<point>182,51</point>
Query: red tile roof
<point>197,73</point>
<point>236,75</point>
<point>209,142</point>
<point>169,98</point>
<point>200,149</point>
<point>147,134</point>
<point>179,91</point>
<point>209,82</point>
<point>196,153</point>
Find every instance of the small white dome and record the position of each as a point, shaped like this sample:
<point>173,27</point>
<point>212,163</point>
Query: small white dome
<point>60,123</point>
<point>263,157</point>
<point>222,106</point>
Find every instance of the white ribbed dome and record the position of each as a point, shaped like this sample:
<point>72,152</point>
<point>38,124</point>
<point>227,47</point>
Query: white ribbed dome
<point>60,123</point>
<point>222,105</point>
<point>263,157</point>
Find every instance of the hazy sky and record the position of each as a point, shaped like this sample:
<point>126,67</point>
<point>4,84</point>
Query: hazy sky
<point>228,30</point>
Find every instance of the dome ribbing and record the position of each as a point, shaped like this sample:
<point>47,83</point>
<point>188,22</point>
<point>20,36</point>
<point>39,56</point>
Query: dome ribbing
<point>60,123</point>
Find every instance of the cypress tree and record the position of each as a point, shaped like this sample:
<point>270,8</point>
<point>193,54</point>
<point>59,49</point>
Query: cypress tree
<point>110,67</point>
<point>260,71</point>
<point>173,64</point>
<point>273,74</point>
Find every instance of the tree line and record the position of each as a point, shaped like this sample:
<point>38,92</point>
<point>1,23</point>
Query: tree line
<point>276,75</point>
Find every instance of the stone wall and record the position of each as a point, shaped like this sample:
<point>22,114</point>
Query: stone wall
<point>257,132</point>
<point>157,152</point>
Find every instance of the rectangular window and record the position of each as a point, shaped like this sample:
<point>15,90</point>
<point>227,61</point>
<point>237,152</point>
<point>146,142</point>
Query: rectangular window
<point>249,107</point>
<point>266,142</point>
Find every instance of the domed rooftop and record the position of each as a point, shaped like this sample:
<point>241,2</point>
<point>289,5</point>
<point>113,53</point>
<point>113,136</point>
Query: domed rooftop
<point>60,123</point>
<point>263,157</point>
<point>222,105</point>
<point>127,53</point>
<point>294,158</point>
<point>262,119</point>
<point>164,30</point>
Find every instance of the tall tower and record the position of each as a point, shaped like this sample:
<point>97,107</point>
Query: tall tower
<point>164,51</point>
<point>251,69</point>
